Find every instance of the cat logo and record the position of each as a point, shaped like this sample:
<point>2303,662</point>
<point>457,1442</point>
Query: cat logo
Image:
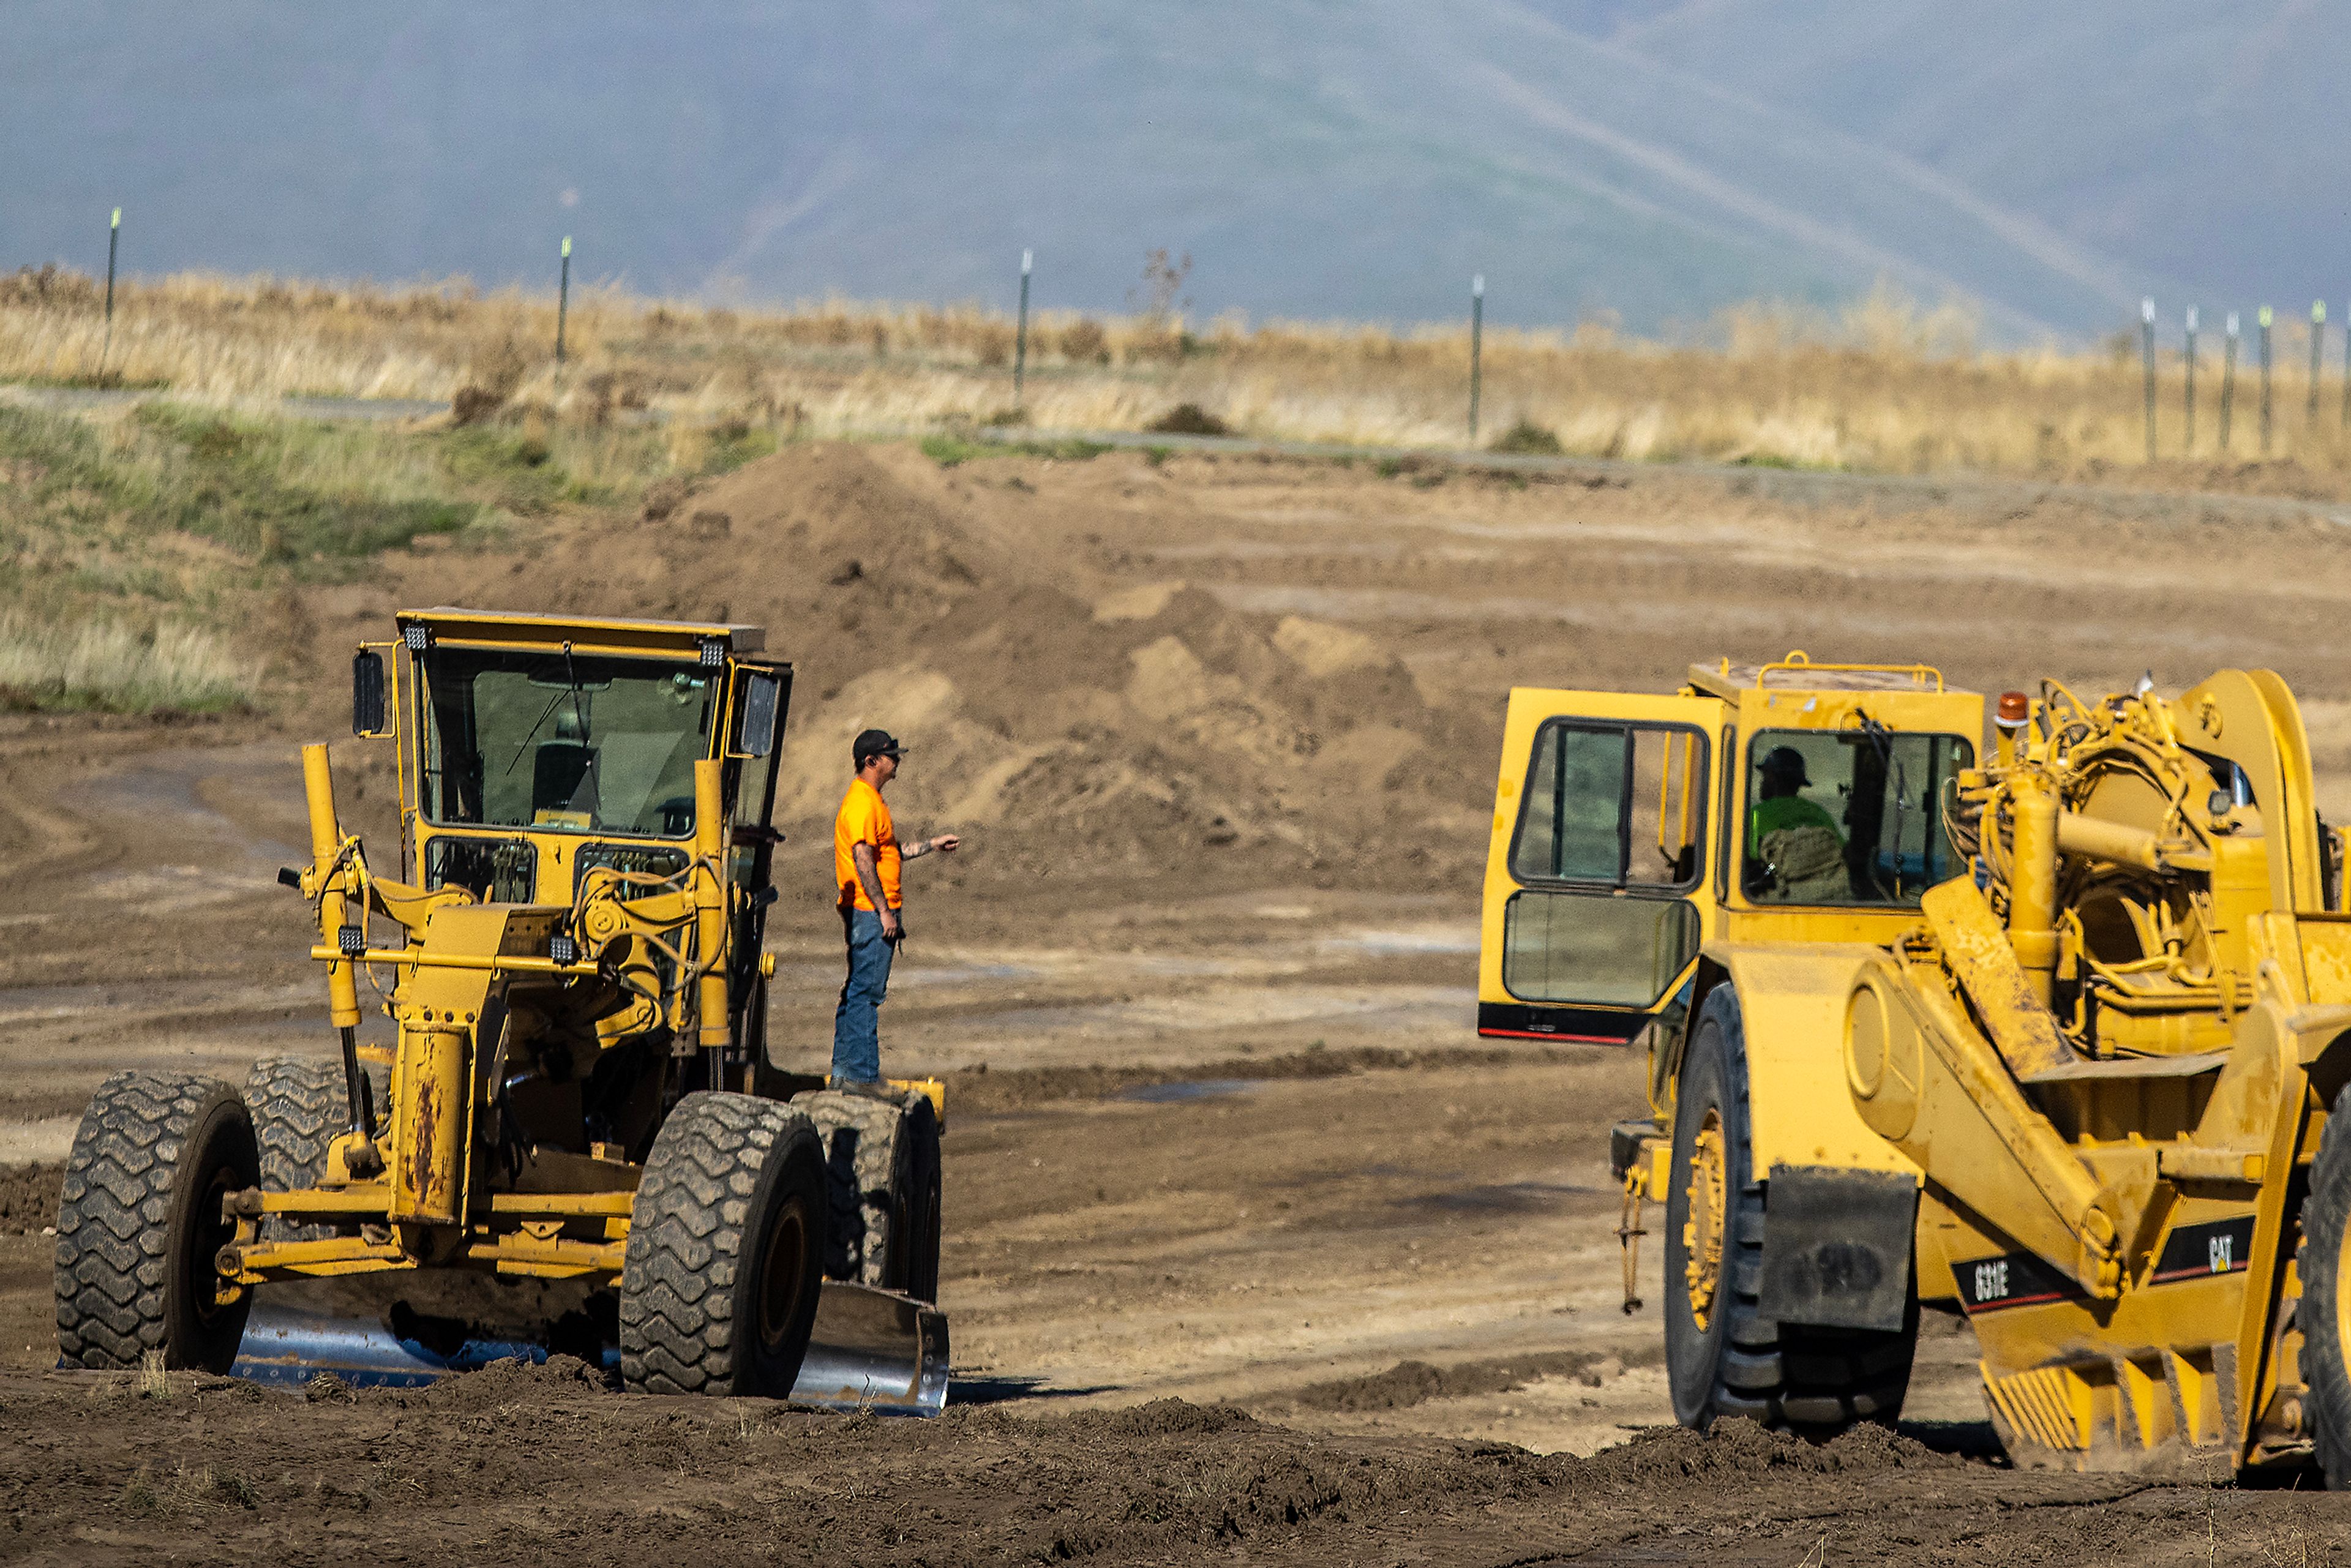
<point>2204,1251</point>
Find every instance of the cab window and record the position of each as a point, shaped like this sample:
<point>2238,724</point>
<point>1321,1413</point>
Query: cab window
<point>1607,842</point>
<point>1612,803</point>
<point>517,739</point>
<point>1847,816</point>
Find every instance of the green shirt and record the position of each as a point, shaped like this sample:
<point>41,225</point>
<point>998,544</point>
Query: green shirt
<point>1785,811</point>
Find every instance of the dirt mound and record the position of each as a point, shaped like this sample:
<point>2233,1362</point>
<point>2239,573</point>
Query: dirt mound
<point>1162,1419</point>
<point>28,1198</point>
<point>1739,1449</point>
<point>515,1380</point>
<point>1044,710</point>
<point>500,1468</point>
<point>1411,1382</point>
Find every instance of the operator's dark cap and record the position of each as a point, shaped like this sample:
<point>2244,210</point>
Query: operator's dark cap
<point>1785,760</point>
<point>871,742</point>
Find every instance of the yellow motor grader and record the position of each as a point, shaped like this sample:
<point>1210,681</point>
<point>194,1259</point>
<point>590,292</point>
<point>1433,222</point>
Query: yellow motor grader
<point>578,1099</point>
<point>2050,1038</point>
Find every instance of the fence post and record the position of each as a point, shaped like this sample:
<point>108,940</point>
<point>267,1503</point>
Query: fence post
<point>106,344</point>
<point>2147,359</point>
<point>562,298</point>
<point>2266,318</point>
<point>2228,379</point>
<point>2189,448</point>
<point>1021,334</point>
<point>2318,342</point>
<point>1477,346</point>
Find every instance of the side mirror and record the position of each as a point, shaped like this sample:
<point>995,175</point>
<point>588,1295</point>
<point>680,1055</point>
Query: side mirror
<point>368,715</point>
<point>760,691</point>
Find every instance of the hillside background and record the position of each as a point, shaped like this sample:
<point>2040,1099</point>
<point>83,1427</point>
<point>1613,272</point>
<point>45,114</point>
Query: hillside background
<point>1317,160</point>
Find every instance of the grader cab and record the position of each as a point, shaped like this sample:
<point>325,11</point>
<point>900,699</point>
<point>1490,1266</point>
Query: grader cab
<point>2049,1039</point>
<point>568,944</point>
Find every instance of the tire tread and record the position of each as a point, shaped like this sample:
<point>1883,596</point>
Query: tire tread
<point>1816,1382</point>
<point>113,1257</point>
<point>686,1240</point>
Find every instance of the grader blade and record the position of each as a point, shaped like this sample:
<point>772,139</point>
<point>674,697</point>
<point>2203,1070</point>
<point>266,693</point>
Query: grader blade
<point>285,1346</point>
<point>870,1350</point>
<point>874,1350</point>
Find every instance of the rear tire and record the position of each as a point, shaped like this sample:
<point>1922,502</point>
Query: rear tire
<point>871,1153</point>
<point>299,1107</point>
<point>139,1223</point>
<point>919,1275</point>
<point>724,1259</point>
<point>2325,1311</point>
<point>1723,1357</point>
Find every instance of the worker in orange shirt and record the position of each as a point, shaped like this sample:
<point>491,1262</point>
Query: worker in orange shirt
<point>865,863</point>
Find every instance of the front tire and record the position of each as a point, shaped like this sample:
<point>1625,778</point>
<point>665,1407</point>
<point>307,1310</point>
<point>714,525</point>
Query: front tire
<point>2325,1311</point>
<point>139,1224</point>
<point>724,1259</point>
<point>1723,1357</point>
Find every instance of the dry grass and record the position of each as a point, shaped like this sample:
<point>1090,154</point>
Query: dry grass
<point>1885,385</point>
<point>110,667</point>
<point>1879,386</point>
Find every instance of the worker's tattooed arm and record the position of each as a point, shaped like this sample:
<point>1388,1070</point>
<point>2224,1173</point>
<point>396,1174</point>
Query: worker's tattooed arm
<point>869,877</point>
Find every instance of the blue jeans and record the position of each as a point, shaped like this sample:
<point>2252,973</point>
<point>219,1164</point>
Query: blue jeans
<point>856,1025</point>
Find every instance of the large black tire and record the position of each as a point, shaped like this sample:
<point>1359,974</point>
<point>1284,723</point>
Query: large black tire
<point>139,1223</point>
<point>918,1261</point>
<point>725,1260</point>
<point>1735,1362</point>
<point>2325,1311</point>
<point>870,1151</point>
<point>298,1106</point>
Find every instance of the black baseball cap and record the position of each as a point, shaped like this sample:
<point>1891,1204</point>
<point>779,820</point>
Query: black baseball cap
<point>1786,762</point>
<point>872,743</point>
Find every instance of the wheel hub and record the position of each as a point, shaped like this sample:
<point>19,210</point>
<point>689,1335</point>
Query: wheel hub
<point>1703,1227</point>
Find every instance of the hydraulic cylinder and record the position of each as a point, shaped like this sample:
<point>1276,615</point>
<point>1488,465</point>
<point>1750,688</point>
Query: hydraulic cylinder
<point>2033,883</point>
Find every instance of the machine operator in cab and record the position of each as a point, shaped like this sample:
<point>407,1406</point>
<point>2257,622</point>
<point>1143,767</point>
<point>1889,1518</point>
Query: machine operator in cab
<point>866,859</point>
<point>1795,854</point>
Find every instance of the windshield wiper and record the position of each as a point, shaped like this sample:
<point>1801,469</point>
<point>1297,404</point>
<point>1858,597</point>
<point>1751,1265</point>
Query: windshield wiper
<point>570,674</point>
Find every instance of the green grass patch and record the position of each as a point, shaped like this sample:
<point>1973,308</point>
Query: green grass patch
<point>135,541</point>
<point>89,383</point>
<point>1527,439</point>
<point>1782,461</point>
<point>733,445</point>
<point>244,484</point>
<point>947,451</point>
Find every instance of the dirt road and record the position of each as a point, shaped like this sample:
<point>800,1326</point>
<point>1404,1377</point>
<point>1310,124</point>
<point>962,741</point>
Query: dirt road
<point>1220,734</point>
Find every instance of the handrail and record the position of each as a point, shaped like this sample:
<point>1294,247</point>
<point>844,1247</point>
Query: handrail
<point>1797,659</point>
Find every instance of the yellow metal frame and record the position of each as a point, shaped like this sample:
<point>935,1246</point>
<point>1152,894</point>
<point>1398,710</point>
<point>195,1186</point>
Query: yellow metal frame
<point>413,1204</point>
<point>1729,706</point>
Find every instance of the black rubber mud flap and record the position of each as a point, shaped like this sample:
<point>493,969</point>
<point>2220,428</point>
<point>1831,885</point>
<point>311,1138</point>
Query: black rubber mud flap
<point>1836,1248</point>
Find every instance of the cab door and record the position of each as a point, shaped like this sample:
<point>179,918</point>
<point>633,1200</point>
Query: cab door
<point>1597,897</point>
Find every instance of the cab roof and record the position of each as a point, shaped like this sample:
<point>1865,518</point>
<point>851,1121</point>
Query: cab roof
<point>454,623</point>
